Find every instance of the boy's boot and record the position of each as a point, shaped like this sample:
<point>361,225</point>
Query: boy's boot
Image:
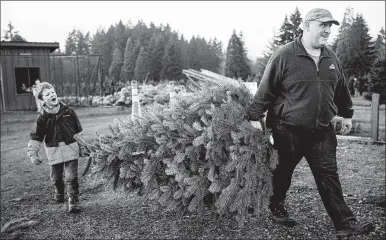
<point>73,204</point>
<point>59,198</point>
<point>71,172</point>
<point>59,191</point>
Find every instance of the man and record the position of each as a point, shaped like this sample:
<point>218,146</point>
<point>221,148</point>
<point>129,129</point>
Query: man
<point>356,87</point>
<point>303,88</point>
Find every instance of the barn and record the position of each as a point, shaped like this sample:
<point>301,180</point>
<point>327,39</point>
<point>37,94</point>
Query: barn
<point>21,63</point>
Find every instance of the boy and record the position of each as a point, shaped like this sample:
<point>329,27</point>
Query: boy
<point>57,125</point>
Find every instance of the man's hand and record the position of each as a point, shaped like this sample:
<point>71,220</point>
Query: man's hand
<point>257,125</point>
<point>36,160</point>
<point>346,126</point>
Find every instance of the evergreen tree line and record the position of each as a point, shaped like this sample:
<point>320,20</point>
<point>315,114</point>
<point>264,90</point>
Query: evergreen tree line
<point>139,52</point>
<point>157,53</point>
<point>361,56</point>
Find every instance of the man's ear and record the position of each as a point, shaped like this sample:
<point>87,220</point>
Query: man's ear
<point>306,26</point>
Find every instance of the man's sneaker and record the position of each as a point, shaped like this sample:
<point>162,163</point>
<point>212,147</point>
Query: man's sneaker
<point>73,206</point>
<point>281,216</point>
<point>59,198</point>
<point>352,227</point>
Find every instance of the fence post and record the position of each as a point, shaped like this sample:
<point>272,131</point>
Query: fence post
<point>374,116</point>
<point>135,107</point>
<point>172,92</point>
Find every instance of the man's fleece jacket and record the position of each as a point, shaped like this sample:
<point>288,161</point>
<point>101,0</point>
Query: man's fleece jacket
<point>57,131</point>
<point>300,93</point>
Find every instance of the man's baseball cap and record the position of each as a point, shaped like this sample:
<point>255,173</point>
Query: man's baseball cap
<point>320,14</point>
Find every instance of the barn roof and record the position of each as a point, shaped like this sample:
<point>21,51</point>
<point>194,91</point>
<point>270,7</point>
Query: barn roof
<point>13,44</point>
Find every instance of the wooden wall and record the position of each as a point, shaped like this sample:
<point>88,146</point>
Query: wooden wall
<point>1,87</point>
<point>10,59</point>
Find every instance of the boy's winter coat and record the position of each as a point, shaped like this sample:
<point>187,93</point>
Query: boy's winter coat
<point>57,131</point>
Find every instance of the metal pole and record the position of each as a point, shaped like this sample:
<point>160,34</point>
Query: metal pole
<point>2,85</point>
<point>74,79</point>
<point>78,79</point>
<point>88,82</point>
<point>97,64</point>
<point>30,83</point>
<point>100,71</point>
<point>374,116</point>
<point>91,78</point>
<point>49,69</point>
<point>98,78</point>
<point>61,76</point>
<point>54,77</point>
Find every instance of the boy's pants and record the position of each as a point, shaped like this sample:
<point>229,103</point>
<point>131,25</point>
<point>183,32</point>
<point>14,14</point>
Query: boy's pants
<point>319,149</point>
<point>70,171</point>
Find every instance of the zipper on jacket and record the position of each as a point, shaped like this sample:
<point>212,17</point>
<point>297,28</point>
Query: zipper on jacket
<point>319,92</point>
<point>318,88</point>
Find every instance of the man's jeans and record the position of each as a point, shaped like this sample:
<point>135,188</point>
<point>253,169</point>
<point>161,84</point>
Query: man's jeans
<point>70,171</point>
<point>319,149</point>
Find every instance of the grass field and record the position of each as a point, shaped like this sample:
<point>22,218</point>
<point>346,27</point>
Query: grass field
<point>27,195</point>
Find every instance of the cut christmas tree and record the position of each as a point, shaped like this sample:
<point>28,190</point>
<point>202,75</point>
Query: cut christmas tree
<point>194,153</point>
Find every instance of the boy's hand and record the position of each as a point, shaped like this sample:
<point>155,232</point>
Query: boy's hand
<point>83,151</point>
<point>36,160</point>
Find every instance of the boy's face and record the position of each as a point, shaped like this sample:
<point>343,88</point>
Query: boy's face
<point>49,97</point>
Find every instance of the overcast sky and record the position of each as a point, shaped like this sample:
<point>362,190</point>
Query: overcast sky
<point>51,21</point>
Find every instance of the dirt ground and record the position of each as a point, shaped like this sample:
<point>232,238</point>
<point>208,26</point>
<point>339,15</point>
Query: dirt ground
<point>27,197</point>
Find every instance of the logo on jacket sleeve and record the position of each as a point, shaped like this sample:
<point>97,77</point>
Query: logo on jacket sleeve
<point>332,66</point>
